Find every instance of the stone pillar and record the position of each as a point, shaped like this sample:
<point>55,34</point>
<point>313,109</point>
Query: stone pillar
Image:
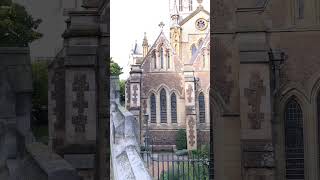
<point>15,103</point>
<point>76,95</point>
<point>255,109</point>
<point>190,106</point>
<point>115,89</point>
<point>135,94</point>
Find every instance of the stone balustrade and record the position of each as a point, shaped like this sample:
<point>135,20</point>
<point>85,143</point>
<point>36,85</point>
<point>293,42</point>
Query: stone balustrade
<point>126,162</point>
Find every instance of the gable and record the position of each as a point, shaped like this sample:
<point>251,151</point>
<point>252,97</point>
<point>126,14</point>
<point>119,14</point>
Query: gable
<point>160,41</point>
<point>199,10</point>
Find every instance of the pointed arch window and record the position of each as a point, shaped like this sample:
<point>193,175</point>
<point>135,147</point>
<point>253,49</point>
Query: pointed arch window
<point>202,108</point>
<point>190,5</point>
<point>203,60</point>
<point>173,108</point>
<point>300,9</point>
<point>168,59</point>
<point>153,109</point>
<point>180,5</point>
<point>294,144</point>
<point>154,59</point>
<point>200,43</point>
<point>318,120</point>
<point>163,106</point>
<point>193,50</point>
<point>161,57</point>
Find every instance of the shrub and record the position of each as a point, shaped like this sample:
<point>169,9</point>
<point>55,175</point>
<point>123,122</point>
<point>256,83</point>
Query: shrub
<point>182,152</point>
<point>181,140</point>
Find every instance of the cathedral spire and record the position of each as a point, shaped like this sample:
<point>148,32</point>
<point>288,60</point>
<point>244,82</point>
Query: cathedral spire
<point>175,15</point>
<point>145,45</point>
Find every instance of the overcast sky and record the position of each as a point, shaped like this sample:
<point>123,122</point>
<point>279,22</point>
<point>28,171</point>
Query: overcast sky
<point>130,19</point>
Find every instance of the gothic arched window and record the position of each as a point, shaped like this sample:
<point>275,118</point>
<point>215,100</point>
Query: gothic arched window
<point>163,106</point>
<point>180,5</point>
<point>168,59</point>
<point>154,59</point>
<point>300,9</point>
<point>173,108</point>
<point>153,109</point>
<point>200,43</point>
<point>318,117</point>
<point>203,59</point>
<point>190,5</point>
<point>161,57</point>
<point>202,108</point>
<point>193,50</point>
<point>294,144</point>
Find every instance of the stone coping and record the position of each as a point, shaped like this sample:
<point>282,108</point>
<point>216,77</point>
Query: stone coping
<point>14,50</point>
<point>51,163</point>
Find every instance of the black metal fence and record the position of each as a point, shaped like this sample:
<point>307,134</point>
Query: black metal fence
<point>170,166</point>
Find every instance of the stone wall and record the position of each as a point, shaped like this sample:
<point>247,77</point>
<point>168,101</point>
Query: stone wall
<point>126,162</point>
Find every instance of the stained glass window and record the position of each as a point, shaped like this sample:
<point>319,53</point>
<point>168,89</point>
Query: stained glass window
<point>300,9</point>
<point>163,106</point>
<point>154,59</point>
<point>190,5</point>
<point>294,144</point>
<point>153,108</point>
<point>161,57</point>
<point>173,108</point>
<point>203,60</point>
<point>202,108</point>
<point>193,50</point>
<point>318,112</point>
<point>168,60</point>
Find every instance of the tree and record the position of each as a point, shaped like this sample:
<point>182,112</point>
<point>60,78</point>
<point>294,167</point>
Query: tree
<point>40,88</point>
<point>17,27</point>
<point>122,91</point>
<point>115,69</point>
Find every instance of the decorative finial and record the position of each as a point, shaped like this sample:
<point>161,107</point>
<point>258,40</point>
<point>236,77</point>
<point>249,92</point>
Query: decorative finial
<point>145,40</point>
<point>161,25</point>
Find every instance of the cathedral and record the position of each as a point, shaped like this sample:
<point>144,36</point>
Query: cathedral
<point>169,80</point>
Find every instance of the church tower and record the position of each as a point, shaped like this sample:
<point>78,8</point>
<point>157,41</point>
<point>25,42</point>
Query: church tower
<point>175,29</point>
<point>145,45</point>
<point>184,7</point>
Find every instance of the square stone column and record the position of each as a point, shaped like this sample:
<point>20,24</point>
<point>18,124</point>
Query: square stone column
<point>190,107</point>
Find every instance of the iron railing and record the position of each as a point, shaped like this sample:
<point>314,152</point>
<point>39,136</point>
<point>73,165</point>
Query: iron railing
<point>170,166</point>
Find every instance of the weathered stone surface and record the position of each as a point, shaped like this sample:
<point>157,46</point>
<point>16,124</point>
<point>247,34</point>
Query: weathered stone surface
<point>124,142</point>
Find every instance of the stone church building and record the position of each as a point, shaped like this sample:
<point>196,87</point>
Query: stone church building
<point>264,98</point>
<point>170,78</point>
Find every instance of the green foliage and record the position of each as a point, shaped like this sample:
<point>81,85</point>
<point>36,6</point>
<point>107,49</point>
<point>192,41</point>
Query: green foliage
<point>41,133</point>
<point>17,27</point>
<point>122,91</point>
<point>181,140</point>
<point>115,69</point>
<point>203,152</point>
<point>40,84</point>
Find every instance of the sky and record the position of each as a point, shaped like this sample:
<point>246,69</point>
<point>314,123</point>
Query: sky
<point>128,22</point>
<point>130,19</point>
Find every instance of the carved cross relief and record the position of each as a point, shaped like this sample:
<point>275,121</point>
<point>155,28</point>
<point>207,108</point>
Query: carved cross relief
<point>191,124</point>
<point>135,94</point>
<point>254,94</point>
<point>189,93</point>
<point>79,86</point>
